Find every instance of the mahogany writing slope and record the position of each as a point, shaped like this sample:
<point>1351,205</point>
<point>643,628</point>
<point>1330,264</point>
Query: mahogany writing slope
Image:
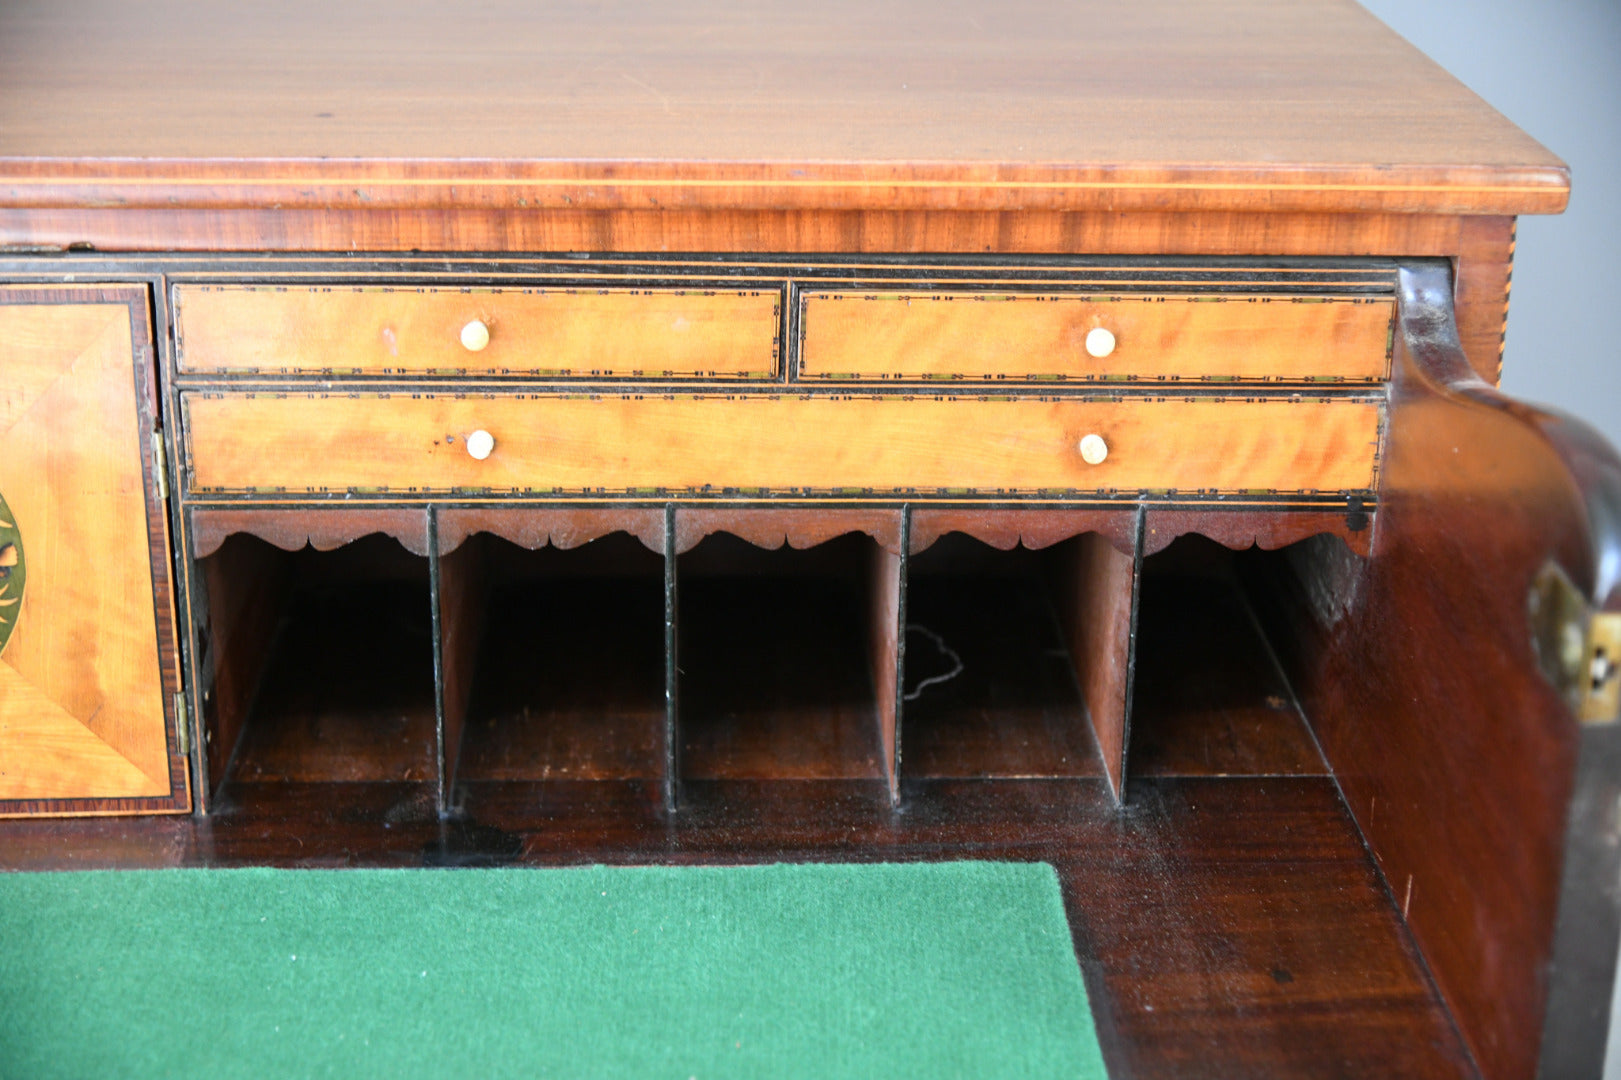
<point>573,433</point>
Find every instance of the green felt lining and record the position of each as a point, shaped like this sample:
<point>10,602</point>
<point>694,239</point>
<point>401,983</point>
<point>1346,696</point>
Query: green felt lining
<point>887,970</point>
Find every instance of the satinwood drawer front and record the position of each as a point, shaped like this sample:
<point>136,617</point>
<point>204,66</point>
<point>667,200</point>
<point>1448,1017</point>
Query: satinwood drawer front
<point>412,330</point>
<point>929,335</point>
<point>751,444</point>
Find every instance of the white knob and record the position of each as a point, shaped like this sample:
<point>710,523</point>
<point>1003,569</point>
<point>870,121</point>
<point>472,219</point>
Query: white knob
<point>480,444</point>
<point>475,335</point>
<point>1099,342</point>
<point>1094,449</point>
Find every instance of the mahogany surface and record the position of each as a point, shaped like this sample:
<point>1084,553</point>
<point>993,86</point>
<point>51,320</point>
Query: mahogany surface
<point>570,681</point>
<point>349,695</point>
<point>1158,105</point>
<point>1239,717</point>
<point>1377,892</point>
<point>775,676</point>
<point>1226,927</point>
<point>1013,710</point>
<point>1228,919</point>
<point>1464,786</point>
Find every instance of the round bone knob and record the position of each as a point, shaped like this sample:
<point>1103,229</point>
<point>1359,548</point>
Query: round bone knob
<point>1099,342</point>
<point>480,444</point>
<point>475,335</point>
<point>1094,449</point>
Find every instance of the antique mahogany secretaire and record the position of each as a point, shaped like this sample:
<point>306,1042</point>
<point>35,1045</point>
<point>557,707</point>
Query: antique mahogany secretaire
<point>643,433</point>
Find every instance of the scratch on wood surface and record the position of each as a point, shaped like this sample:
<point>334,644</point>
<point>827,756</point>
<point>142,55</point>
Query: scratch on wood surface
<point>1407,900</point>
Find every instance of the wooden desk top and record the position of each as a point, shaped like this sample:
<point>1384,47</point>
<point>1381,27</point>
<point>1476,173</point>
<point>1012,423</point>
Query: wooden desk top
<point>1153,105</point>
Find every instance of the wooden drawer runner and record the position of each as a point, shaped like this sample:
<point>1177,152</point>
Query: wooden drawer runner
<point>1025,336</point>
<point>644,445</point>
<point>409,330</point>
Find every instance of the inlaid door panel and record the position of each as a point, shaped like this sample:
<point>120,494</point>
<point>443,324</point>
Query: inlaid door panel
<point>86,643</point>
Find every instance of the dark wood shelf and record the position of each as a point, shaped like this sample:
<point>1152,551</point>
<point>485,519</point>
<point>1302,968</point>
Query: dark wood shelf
<point>347,690</point>
<point>570,679</point>
<point>1227,926</point>
<point>1014,709</point>
<point>1226,913</point>
<point>1211,699</point>
<point>774,681</point>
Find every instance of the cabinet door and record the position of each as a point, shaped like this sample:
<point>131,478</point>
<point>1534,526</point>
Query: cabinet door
<point>87,671</point>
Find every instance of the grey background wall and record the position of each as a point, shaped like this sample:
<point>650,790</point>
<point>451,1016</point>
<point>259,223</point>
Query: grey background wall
<point>1554,68</point>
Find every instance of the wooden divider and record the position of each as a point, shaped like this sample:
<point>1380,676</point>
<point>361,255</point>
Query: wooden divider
<point>886,644</point>
<point>1096,602</point>
<point>1098,609</point>
<point>672,669</point>
<point>732,744</point>
<point>240,594</point>
<point>463,582</point>
<point>460,600</point>
<point>240,600</point>
<point>1099,555</point>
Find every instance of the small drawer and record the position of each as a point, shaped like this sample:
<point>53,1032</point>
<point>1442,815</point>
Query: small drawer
<point>854,336</point>
<point>749,445</point>
<point>538,332</point>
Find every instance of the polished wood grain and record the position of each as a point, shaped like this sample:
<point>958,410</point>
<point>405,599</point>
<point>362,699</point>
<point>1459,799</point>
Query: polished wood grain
<point>82,682</point>
<point>336,329</point>
<point>537,527</point>
<point>767,697</point>
<point>461,597</point>
<point>1005,529</point>
<point>1240,104</point>
<point>1319,1003</point>
<point>1231,926</point>
<point>886,655</point>
<point>1209,696</point>
<point>1225,927</point>
<point>1097,611</point>
<point>1464,786</point>
<point>951,336</point>
<point>1481,246</point>
<point>468,229</point>
<point>691,445</point>
<point>348,694</point>
<point>990,689</point>
<point>242,596</point>
<point>1240,531</point>
<point>1485,269</point>
<point>569,681</point>
<point>772,528</point>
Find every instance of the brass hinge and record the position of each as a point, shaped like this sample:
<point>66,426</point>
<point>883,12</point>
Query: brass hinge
<point>160,464</point>
<point>1578,649</point>
<point>182,724</point>
<point>1601,665</point>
